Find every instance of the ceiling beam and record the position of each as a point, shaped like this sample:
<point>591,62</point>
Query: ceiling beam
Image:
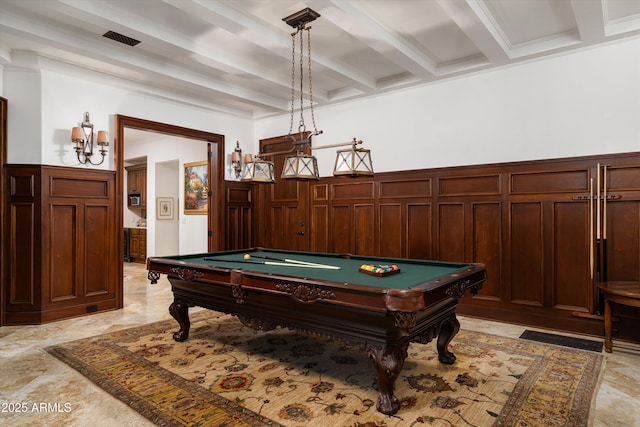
<point>478,28</point>
<point>40,31</point>
<point>589,16</point>
<point>277,40</point>
<point>353,18</point>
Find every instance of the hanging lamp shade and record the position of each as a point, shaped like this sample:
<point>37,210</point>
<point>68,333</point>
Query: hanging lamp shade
<point>259,171</point>
<point>300,166</point>
<point>353,162</point>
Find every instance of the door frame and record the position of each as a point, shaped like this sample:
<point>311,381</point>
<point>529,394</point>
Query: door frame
<point>4,280</point>
<point>216,148</point>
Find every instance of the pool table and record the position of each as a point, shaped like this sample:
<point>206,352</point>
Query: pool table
<point>383,312</point>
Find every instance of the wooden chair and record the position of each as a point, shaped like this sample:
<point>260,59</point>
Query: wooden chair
<point>621,292</point>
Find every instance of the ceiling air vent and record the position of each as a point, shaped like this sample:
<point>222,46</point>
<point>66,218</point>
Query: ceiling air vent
<point>120,38</point>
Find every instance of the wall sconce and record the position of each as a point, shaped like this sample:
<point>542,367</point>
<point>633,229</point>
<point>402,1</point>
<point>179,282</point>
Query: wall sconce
<point>82,136</point>
<point>236,161</point>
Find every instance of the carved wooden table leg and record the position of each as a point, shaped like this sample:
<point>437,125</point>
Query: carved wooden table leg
<point>448,330</point>
<point>388,362</point>
<point>180,312</point>
<point>153,276</point>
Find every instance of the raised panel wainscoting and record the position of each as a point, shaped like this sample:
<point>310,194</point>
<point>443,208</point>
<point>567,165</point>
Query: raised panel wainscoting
<point>62,254</point>
<point>533,224</point>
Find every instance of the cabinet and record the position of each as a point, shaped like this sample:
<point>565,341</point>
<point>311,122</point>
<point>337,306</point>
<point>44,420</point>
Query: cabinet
<point>137,182</point>
<point>138,245</point>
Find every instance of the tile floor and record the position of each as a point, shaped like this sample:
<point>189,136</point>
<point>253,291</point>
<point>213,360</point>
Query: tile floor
<point>62,397</point>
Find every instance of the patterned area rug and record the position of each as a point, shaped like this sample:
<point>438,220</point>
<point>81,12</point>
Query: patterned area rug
<point>227,374</point>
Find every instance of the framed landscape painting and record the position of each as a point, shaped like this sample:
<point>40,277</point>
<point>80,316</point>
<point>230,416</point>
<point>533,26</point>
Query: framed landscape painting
<point>196,188</point>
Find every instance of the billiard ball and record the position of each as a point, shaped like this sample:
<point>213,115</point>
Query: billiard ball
<point>247,256</point>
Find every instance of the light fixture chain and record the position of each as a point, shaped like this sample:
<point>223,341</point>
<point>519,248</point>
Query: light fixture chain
<point>313,117</point>
<point>301,125</point>
<point>293,77</point>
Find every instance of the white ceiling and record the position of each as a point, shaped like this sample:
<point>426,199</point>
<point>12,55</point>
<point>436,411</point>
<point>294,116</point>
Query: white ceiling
<point>235,55</point>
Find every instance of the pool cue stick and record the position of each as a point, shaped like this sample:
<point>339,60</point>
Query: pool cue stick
<point>598,243</point>
<point>282,264</point>
<point>604,224</point>
<point>591,234</point>
<point>295,261</point>
<point>603,242</point>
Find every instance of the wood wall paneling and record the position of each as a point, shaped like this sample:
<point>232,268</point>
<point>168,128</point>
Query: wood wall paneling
<point>623,178</point>
<point>469,185</point>
<point>22,216</point>
<point>63,253</point>
<point>527,253</point>
<point>364,230</point>
<point>239,215</point>
<point>319,228</point>
<point>285,203</point>
<point>418,230</point>
<point>352,190</point>
<point>98,275</point>
<point>392,227</point>
<point>487,247</point>
<point>528,222</point>
<point>451,232</point>
<point>570,257</point>
<point>342,234</point>
<point>62,277</point>
<point>545,181</point>
<point>405,188</point>
<point>23,256</point>
<point>623,235</point>
<point>404,213</point>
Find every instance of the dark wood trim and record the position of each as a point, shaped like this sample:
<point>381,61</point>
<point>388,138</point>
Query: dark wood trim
<point>4,240</point>
<point>216,212</point>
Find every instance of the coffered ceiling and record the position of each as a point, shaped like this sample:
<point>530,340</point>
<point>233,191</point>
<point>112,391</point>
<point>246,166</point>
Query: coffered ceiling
<point>235,55</point>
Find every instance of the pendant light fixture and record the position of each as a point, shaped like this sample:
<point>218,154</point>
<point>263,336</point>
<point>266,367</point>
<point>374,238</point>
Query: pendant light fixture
<point>302,165</point>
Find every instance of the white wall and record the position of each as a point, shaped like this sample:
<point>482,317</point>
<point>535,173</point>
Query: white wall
<point>44,106</point>
<point>576,104</point>
<point>581,103</point>
<point>159,150</point>
<point>22,89</point>
<point>167,231</point>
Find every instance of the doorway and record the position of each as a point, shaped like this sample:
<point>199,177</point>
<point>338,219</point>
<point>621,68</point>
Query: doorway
<point>215,149</point>
<point>3,232</point>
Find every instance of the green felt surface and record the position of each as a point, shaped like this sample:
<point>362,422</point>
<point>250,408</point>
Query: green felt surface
<point>412,272</point>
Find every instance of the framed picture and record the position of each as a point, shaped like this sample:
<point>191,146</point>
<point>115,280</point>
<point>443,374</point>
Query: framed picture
<point>196,188</point>
<point>164,207</point>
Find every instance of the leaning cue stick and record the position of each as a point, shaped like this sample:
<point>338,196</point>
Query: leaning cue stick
<point>295,261</point>
<point>591,253</point>
<point>598,298</point>
<point>604,273</point>
<point>282,264</point>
